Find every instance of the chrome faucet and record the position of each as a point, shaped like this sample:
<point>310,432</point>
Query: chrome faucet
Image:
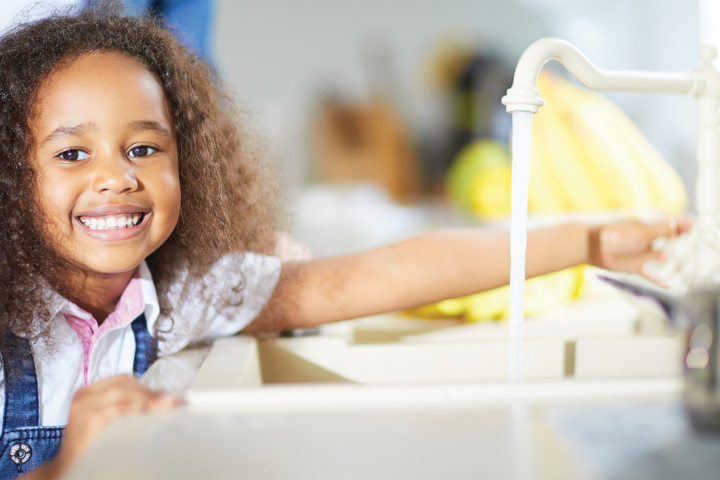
<point>694,258</point>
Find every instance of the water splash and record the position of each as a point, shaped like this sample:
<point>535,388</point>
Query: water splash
<point>522,123</point>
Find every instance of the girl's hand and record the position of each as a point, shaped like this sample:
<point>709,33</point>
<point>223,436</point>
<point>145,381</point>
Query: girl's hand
<point>96,405</point>
<point>626,245</point>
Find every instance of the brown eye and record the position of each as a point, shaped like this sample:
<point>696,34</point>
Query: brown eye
<point>73,155</point>
<point>141,151</point>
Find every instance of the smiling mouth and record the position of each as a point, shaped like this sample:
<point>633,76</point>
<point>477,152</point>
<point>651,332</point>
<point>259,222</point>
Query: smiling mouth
<point>112,222</point>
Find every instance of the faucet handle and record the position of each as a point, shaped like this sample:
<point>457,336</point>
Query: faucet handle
<point>708,53</point>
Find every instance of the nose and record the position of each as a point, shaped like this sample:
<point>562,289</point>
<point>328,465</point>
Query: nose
<point>114,174</point>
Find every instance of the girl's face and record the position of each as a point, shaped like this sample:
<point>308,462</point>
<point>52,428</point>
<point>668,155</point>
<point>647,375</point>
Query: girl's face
<point>106,157</point>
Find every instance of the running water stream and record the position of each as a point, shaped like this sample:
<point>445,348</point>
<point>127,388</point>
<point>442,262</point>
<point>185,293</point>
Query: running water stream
<point>521,129</point>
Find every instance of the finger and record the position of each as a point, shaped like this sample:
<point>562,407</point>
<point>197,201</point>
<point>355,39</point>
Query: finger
<point>671,227</point>
<point>133,393</point>
<point>126,383</point>
<point>123,393</point>
<point>102,417</point>
<point>684,224</point>
<point>102,413</point>
<point>120,409</point>
<point>636,262</point>
<point>165,402</point>
<point>659,256</point>
<point>665,228</point>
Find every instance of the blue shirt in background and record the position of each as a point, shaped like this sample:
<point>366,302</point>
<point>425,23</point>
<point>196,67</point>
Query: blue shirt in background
<point>191,20</point>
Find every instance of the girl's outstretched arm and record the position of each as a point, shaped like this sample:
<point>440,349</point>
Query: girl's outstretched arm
<point>446,264</point>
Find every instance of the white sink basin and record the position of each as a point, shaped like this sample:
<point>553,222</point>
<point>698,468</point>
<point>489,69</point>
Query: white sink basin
<point>432,403</point>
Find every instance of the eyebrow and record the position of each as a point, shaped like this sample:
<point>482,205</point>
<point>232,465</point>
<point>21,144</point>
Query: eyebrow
<point>152,126</point>
<point>78,130</point>
<point>75,131</point>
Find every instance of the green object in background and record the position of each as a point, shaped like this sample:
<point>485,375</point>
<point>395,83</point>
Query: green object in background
<point>479,179</point>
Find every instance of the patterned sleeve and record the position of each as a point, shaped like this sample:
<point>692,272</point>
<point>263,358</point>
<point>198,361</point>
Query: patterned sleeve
<point>240,286</point>
<point>218,304</point>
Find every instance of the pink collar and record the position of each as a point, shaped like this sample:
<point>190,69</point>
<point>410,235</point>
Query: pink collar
<point>128,308</point>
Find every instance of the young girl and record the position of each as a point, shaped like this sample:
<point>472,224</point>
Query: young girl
<point>135,220</point>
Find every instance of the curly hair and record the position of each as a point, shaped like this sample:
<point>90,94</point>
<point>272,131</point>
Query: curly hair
<point>227,200</point>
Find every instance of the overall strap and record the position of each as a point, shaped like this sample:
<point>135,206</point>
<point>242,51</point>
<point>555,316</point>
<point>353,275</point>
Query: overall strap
<point>146,346</point>
<point>22,405</point>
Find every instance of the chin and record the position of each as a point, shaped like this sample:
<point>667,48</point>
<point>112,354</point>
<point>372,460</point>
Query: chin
<point>110,264</point>
<point>112,269</point>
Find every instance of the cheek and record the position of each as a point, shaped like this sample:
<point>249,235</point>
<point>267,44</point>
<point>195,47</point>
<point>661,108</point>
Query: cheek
<point>50,204</point>
<point>168,187</point>
<point>55,197</point>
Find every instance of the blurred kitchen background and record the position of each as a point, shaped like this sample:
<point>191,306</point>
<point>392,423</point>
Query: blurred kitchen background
<point>384,117</point>
<point>363,99</point>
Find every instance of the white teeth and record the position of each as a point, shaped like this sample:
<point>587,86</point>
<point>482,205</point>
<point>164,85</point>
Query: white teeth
<point>112,222</point>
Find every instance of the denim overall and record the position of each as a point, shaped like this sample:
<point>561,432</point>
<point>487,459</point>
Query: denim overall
<point>25,444</point>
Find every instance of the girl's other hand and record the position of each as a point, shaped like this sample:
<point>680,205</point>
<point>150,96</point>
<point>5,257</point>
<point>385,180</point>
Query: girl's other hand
<point>626,245</point>
<point>96,405</point>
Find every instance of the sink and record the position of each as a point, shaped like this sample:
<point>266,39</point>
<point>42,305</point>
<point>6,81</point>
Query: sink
<point>393,398</point>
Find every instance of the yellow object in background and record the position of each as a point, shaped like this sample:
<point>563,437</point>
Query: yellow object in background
<point>542,294</point>
<point>480,179</point>
<point>585,155</point>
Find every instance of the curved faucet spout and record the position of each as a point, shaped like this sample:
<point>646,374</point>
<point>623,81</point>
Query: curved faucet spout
<point>524,96</point>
